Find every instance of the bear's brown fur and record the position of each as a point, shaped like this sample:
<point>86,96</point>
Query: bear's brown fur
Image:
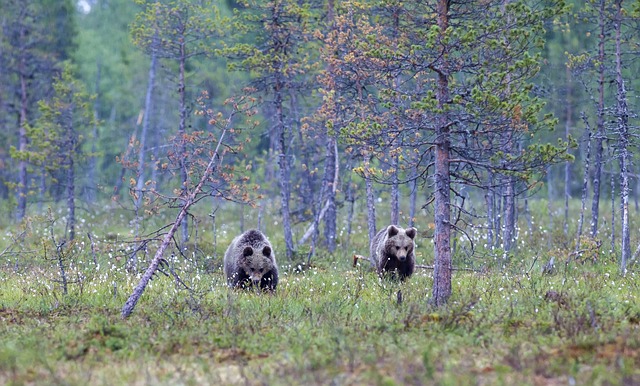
<point>250,260</point>
<point>392,251</point>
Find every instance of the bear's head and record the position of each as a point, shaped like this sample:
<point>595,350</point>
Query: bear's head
<point>257,263</point>
<point>400,242</point>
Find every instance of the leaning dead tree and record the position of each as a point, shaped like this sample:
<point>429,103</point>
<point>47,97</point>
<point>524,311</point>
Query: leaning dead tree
<point>189,197</point>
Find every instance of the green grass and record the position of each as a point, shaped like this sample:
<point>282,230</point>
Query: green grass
<point>330,323</point>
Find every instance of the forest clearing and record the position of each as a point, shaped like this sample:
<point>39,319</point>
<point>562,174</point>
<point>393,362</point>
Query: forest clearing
<point>327,323</point>
<point>376,192</point>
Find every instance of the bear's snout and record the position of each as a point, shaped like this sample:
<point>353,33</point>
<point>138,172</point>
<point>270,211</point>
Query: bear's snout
<point>255,278</point>
<point>402,257</point>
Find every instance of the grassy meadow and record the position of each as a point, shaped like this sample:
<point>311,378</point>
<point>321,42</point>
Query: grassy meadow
<point>328,323</point>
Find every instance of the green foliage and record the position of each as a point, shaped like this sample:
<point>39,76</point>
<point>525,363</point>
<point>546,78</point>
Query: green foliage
<point>56,140</point>
<point>386,57</point>
<point>273,42</point>
<point>367,50</point>
<point>176,28</point>
<point>36,37</point>
<point>113,70</point>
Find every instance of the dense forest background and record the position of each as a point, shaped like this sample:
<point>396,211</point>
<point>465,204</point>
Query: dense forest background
<point>455,116</point>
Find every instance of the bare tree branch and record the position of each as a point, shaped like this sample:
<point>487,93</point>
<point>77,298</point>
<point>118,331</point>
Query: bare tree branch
<point>191,198</point>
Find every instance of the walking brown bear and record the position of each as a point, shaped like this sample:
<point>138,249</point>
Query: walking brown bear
<point>250,261</point>
<point>392,251</point>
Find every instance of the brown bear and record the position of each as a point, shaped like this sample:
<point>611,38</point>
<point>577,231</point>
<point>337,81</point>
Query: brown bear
<point>392,251</point>
<point>250,261</point>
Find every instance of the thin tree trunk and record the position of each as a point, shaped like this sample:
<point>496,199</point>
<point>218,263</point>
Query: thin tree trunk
<point>550,199</point>
<point>624,208</point>
<point>567,195</point>
<point>284,168</point>
<point>623,143</point>
<point>332,171</point>
<point>567,164</point>
<point>508,230</point>
<point>442,237</point>
<point>71,197</point>
<point>148,105</point>
<point>395,189</point>
<point>612,181</point>
<point>285,194</point>
<point>22,135</point>
<point>371,205</point>
<point>488,196</point>
<point>395,193</point>
<point>585,183</point>
<point>181,133</point>
<point>497,213</point>
<point>634,192</point>
<point>597,171</point>
<point>330,231</point>
<point>330,223</point>
<point>90,188</point>
<point>413,197</point>
<point>138,194</point>
<point>306,190</point>
<point>351,199</point>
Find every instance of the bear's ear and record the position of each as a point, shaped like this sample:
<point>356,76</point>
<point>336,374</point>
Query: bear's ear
<point>411,232</point>
<point>392,231</point>
<point>266,251</point>
<point>248,251</point>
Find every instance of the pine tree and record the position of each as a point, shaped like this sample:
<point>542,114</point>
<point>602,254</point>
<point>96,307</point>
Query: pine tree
<point>56,140</point>
<point>36,36</point>
<point>450,95</point>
